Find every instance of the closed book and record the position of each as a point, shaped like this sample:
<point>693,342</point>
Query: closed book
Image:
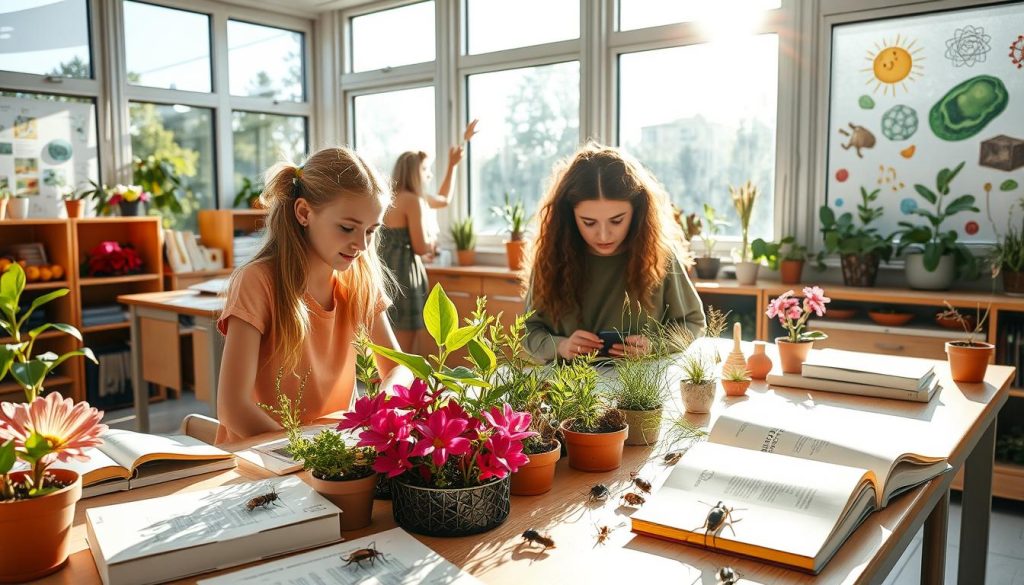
<point>803,382</point>
<point>175,536</point>
<point>869,368</point>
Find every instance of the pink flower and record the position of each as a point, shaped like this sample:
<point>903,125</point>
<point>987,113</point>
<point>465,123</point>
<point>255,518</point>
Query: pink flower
<point>387,427</point>
<point>504,455</point>
<point>394,461</point>
<point>441,436</point>
<point>414,397</point>
<point>793,311</point>
<point>68,428</point>
<point>515,424</point>
<point>815,300</point>
<point>364,408</point>
<point>777,306</point>
<point>454,410</point>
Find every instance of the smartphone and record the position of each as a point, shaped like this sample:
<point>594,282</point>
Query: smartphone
<point>609,338</point>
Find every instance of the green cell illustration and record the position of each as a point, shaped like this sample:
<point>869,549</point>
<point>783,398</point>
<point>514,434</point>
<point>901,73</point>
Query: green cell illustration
<point>866,103</point>
<point>899,122</point>
<point>968,107</point>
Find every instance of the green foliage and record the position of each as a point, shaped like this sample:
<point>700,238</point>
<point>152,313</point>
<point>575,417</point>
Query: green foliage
<point>736,374</point>
<point>463,234</point>
<point>366,364</point>
<point>773,253</point>
<point>172,196</point>
<point>933,241</point>
<point>27,370</point>
<point>843,237</point>
<point>697,369</point>
<point>514,216</point>
<point>248,194</point>
<point>642,382</point>
<point>1008,252</point>
<point>743,199</point>
<point>713,225</point>
<point>574,395</point>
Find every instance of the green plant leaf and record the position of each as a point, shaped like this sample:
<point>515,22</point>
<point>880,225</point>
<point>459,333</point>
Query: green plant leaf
<point>826,215</point>
<point>942,181</point>
<point>8,351</point>
<point>932,255</point>
<point>482,356</point>
<point>69,329</point>
<point>440,315</point>
<point>461,336</point>
<point>12,283</point>
<point>42,300</point>
<point>84,352</point>
<point>813,335</point>
<point>1008,185</point>
<point>7,456</point>
<point>926,193</point>
<point>419,366</point>
<point>961,203</point>
<point>30,373</point>
<point>462,375</point>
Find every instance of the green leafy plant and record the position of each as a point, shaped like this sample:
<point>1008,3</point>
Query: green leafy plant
<point>933,241</point>
<point>842,236</point>
<point>29,370</point>
<point>743,199</point>
<point>5,194</point>
<point>690,224</point>
<point>101,194</point>
<point>773,253</point>
<point>575,396</point>
<point>248,194</point>
<point>736,374</point>
<point>463,234</point>
<point>642,382</point>
<point>712,227</point>
<point>972,327</point>
<point>173,198</point>
<point>1008,252</point>
<point>514,216</point>
<point>697,369</point>
<point>366,364</point>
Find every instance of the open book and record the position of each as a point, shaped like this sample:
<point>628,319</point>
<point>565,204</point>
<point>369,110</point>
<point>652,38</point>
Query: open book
<point>127,459</point>
<point>275,457</point>
<point>798,482</point>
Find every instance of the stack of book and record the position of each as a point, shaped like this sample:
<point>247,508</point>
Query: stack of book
<point>103,315</point>
<point>246,246</point>
<point>864,374</point>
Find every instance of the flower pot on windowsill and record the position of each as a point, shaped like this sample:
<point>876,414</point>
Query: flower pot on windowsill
<point>707,267</point>
<point>353,496</point>
<point>594,452</point>
<point>536,476</point>
<point>515,250</point>
<point>860,269</point>
<point>129,208</point>
<point>791,271</point>
<point>920,278</point>
<point>792,354</point>
<point>746,272</point>
<point>466,257</point>
<point>449,511</point>
<point>73,207</point>
<point>50,516</point>
<point>17,208</point>
<point>1013,282</point>
<point>968,361</point>
<point>697,398</point>
<point>644,426</point>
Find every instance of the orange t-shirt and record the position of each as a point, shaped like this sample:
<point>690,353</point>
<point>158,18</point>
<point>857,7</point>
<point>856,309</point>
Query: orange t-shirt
<point>326,353</point>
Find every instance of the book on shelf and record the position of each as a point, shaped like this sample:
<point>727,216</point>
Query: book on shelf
<point>407,560</point>
<point>798,481</point>
<point>177,256</point>
<point>892,371</point>
<point>924,394</point>
<point>189,533</point>
<point>128,460</point>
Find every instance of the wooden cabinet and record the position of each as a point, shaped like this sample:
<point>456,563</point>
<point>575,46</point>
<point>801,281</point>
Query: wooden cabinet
<point>218,228</point>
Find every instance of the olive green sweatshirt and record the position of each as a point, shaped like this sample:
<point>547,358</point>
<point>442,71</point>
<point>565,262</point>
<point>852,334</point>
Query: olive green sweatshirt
<point>604,294</point>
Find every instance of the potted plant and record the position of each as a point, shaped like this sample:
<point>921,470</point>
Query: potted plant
<point>514,216</point>
<point>448,441</point>
<point>594,430</point>
<point>640,393</point>
<point>697,385</point>
<point>17,207</point>
<point>1007,256</point>
<point>72,200</point>
<point>340,472</point>
<point>128,198</point>
<point>465,241</point>
<point>708,264</point>
<point>248,196</point>
<point>793,316</point>
<point>167,183</point>
<point>743,199</point>
<point>735,381</point>
<point>937,258</point>
<point>5,198</point>
<point>968,359</point>
<point>860,248</point>
<point>691,227</point>
<point>786,256</point>
<point>39,432</point>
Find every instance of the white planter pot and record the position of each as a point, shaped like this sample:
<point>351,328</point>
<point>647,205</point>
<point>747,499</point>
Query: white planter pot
<point>918,277</point>
<point>746,272</point>
<point>17,208</point>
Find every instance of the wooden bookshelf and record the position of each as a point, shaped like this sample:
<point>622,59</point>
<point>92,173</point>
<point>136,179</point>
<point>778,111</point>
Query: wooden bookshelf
<point>217,228</point>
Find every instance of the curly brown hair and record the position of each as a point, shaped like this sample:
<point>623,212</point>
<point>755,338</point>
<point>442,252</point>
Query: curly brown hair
<point>556,272</point>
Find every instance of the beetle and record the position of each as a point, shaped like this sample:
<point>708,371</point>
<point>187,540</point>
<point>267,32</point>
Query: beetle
<point>727,576</point>
<point>370,553</point>
<point>719,516</point>
<point>598,491</point>
<point>634,499</point>
<point>532,535</point>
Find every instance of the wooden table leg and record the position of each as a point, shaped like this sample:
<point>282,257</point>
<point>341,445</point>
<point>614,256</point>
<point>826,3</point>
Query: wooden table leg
<point>139,386</point>
<point>976,509</point>
<point>933,550</point>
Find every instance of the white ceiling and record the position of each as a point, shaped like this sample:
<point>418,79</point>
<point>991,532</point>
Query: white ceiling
<point>296,7</point>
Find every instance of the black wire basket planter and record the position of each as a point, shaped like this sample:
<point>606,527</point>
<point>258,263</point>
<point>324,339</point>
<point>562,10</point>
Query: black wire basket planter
<point>451,511</point>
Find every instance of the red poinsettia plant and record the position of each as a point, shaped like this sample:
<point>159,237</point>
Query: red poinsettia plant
<point>113,259</point>
<point>450,427</point>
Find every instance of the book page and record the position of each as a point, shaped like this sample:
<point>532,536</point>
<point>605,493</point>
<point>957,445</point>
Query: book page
<point>99,467</point>
<point>406,561</point>
<point>778,503</point>
<point>132,449</point>
<point>274,455</point>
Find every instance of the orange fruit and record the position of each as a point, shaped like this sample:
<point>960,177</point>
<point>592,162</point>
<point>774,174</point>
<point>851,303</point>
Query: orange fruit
<point>32,273</point>
<point>23,263</point>
<point>57,271</point>
<point>45,274</point>
<point>4,263</point>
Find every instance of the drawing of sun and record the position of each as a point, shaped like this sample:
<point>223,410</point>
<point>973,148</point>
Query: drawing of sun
<point>893,64</point>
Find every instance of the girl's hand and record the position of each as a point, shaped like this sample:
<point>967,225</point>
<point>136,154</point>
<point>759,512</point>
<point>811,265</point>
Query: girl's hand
<point>454,156</point>
<point>470,130</point>
<point>634,345</point>
<point>579,343</point>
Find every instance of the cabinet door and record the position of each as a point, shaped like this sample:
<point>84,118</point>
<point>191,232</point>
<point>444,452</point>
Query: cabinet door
<point>505,296</point>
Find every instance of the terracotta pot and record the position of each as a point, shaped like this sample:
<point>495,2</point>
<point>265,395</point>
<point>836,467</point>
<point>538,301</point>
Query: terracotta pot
<point>759,364</point>
<point>74,207</point>
<point>34,534</point>
<point>791,271</point>
<point>354,497</point>
<point>860,269</point>
<point>644,426</point>
<point>697,398</point>
<point>594,451</point>
<point>466,257</point>
<point>735,387</point>
<point>3,208</point>
<point>537,476</point>
<point>1013,281</point>
<point>514,252</point>
<point>969,363</point>
<point>17,208</point>
<point>792,355</point>
<point>707,268</point>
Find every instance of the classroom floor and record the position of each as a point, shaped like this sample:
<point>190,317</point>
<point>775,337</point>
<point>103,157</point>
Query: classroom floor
<point>1006,538</point>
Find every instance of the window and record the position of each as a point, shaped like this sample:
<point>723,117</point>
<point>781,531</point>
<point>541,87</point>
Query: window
<point>634,14</point>
<point>62,51</point>
<point>264,61</point>
<point>494,26</point>
<point>702,118</point>
<point>167,48</point>
<point>390,123</point>
<point>263,139</point>
<point>390,38</point>
<point>183,136</point>
<point>532,120</point>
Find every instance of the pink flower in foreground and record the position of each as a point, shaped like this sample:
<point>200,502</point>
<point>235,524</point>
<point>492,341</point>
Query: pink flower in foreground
<point>777,306</point>
<point>815,300</point>
<point>414,397</point>
<point>453,409</point>
<point>360,414</point>
<point>68,428</point>
<point>394,461</point>
<point>515,424</point>
<point>503,455</point>
<point>441,437</point>
<point>387,427</point>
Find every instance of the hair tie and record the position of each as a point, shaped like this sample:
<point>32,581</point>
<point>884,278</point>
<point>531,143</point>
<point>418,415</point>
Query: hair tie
<point>295,182</point>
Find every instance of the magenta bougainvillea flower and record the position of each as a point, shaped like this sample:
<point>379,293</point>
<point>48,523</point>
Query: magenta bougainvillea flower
<point>441,436</point>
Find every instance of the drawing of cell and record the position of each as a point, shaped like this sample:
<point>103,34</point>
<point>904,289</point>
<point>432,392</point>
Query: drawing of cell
<point>893,64</point>
<point>842,175</point>
<point>968,46</point>
<point>1017,52</point>
<point>865,102</point>
<point>909,151</point>
<point>860,137</point>
<point>968,107</point>
<point>907,206</point>
<point>899,122</point>
<point>839,201</point>
<point>971,227</point>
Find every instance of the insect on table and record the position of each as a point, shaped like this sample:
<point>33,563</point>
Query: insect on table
<point>532,535</point>
<point>263,501</point>
<point>370,553</point>
<point>718,518</point>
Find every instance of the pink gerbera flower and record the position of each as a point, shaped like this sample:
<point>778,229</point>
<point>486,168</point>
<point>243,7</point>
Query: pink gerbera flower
<point>69,428</point>
<point>441,437</point>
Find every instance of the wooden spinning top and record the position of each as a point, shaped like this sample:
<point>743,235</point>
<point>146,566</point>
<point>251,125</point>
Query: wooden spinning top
<point>736,359</point>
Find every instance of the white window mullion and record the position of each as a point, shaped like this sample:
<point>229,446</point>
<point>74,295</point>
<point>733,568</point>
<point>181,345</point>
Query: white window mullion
<point>116,105</point>
<point>223,139</point>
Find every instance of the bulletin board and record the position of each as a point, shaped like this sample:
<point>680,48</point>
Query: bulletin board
<point>910,96</point>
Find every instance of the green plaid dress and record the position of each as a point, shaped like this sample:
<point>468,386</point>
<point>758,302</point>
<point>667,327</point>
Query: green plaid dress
<point>406,313</point>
